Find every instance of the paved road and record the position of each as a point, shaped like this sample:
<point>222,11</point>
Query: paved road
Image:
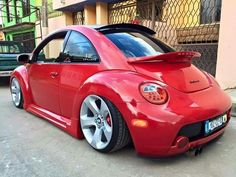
<point>30,146</point>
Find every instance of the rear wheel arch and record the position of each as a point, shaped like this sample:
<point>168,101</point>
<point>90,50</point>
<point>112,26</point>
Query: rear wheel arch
<point>100,90</point>
<point>120,135</point>
<point>109,84</point>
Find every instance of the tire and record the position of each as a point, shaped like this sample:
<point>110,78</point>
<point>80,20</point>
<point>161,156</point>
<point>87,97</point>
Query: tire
<point>16,93</point>
<point>103,125</point>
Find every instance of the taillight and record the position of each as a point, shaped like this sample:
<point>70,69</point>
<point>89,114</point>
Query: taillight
<point>154,93</point>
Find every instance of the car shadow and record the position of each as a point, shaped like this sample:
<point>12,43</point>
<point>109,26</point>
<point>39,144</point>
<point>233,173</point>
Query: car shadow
<point>4,81</point>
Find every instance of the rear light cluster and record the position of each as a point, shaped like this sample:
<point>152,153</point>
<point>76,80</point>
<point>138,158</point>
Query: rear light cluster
<point>154,93</point>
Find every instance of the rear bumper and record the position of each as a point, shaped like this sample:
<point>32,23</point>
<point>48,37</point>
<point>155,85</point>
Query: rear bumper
<point>174,150</point>
<point>5,73</point>
<point>163,123</point>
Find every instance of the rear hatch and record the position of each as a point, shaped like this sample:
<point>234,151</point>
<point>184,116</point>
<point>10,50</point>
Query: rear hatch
<point>174,69</point>
<point>8,62</point>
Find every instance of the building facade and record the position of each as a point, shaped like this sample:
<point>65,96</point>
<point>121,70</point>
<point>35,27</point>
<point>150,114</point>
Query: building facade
<point>185,24</point>
<point>18,21</point>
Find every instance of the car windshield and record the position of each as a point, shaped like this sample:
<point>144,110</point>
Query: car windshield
<point>8,48</point>
<point>136,44</point>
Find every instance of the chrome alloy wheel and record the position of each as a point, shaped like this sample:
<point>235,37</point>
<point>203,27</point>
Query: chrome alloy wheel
<point>96,122</point>
<point>15,92</point>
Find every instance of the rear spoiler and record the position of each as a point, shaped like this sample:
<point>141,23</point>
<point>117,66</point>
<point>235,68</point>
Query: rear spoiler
<point>172,57</point>
<point>125,26</point>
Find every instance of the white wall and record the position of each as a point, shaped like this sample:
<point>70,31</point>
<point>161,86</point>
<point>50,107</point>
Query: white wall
<point>226,62</point>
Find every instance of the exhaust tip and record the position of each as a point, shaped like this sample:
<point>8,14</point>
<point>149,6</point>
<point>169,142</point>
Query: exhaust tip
<point>195,152</point>
<point>200,150</point>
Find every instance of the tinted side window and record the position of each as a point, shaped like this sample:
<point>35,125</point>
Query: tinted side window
<point>79,49</point>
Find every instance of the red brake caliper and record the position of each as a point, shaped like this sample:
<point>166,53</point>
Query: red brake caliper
<point>108,119</point>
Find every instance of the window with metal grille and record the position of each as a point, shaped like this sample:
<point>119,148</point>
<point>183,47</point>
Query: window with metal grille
<point>9,10</point>
<point>26,7</point>
<point>145,7</point>
<point>27,39</point>
<point>78,18</point>
<point>18,9</point>
<point>210,11</point>
<point>122,12</point>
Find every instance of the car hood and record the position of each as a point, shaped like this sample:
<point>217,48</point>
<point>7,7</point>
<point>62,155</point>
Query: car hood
<point>174,69</point>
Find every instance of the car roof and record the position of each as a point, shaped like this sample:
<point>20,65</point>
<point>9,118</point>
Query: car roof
<point>125,26</point>
<point>120,26</point>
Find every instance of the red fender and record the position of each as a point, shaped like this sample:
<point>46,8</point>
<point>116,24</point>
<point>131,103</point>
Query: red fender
<point>21,74</point>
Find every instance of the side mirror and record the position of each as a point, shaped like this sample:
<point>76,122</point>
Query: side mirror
<point>23,58</point>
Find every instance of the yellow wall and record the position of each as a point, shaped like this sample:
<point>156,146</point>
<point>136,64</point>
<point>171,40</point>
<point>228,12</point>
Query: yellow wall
<point>101,13</point>
<point>178,13</point>
<point>53,25</point>
<point>89,15</point>
<point>226,62</point>
<point>59,22</point>
<point>93,14</point>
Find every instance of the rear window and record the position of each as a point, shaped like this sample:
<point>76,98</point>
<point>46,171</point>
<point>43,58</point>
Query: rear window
<point>8,48</point>
<point>135,44</point>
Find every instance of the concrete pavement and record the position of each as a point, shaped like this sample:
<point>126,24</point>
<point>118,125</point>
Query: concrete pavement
<point>32,147</point>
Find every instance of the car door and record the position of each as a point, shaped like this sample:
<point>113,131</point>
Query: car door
<point>81,61</point>
<point>44,72</point>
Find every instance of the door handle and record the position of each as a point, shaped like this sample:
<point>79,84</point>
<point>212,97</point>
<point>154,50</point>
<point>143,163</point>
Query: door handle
<point>54,74</point>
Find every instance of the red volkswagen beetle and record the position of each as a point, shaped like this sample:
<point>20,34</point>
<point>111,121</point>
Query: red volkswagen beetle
<point>117,84</point>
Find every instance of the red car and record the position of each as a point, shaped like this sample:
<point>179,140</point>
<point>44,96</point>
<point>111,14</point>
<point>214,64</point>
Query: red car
<point>117,84</point>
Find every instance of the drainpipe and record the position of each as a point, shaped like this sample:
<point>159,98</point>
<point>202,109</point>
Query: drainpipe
<point>44,13</point>
<point>153,15</point>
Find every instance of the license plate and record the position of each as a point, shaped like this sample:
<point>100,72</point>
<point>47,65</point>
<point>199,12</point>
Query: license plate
<point>211,125</point>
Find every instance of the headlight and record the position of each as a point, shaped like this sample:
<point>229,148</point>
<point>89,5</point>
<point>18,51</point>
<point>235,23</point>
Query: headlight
<point>154,93</point>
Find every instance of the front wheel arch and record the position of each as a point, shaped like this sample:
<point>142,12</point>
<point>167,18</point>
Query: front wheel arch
<point>21,74</point>
<point>16,93</point>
